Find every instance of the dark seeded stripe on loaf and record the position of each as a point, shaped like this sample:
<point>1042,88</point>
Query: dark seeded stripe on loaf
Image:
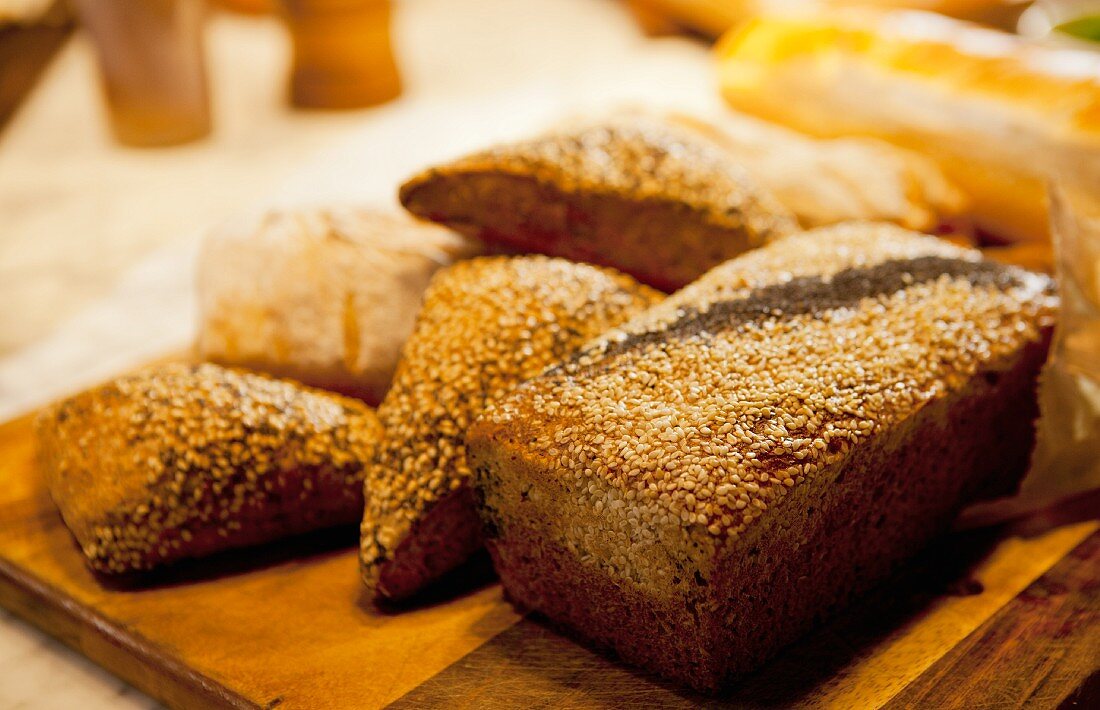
<point>806,295</point>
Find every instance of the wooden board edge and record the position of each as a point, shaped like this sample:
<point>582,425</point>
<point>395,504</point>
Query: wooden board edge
<point>130,657</point>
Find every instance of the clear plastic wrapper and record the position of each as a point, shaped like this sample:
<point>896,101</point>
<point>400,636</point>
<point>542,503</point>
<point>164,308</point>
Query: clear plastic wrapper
<point>1067,457</point>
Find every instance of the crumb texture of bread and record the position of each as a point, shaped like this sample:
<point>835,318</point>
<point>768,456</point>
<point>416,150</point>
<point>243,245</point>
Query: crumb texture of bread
<point>181,461</point>
<point>633,191</point>
<point>697,487</point>
<point>325,296</point>
<point>487,324</point>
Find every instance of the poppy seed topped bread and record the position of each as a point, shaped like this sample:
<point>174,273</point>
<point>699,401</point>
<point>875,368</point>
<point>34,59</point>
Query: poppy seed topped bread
<point>486,325</point>
<point>184,460</point>
<point>646,196</point>
<point>696,488</point>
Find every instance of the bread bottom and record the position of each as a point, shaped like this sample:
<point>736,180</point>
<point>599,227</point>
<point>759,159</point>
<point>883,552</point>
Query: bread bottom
<point>823,545</point>
<point>444,537</point>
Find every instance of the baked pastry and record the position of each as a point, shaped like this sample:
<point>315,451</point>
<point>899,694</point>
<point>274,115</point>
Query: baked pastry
<point>712,18</point>
<point>487,325</point>
<point>323,296</point>
<point>824,181</point>
<point>633,192</point>
<point>696,488</point>
<point>181,461</point>
<point>1001,114</point>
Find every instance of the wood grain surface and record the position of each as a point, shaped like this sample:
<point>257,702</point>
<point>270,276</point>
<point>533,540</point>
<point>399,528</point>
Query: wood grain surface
<point>285,626</point>
<point>1042,649</point>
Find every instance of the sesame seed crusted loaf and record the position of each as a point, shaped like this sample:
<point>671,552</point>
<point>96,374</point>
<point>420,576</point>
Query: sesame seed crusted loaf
<point>635,192</point>
<point>486,325</point>
<point>181,461</point>
<point>324,296</point>
<point>696,488</point>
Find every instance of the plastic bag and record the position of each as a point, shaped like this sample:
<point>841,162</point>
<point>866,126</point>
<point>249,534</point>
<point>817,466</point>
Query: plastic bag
<point>1067,459</point>
<point>1067,455</point>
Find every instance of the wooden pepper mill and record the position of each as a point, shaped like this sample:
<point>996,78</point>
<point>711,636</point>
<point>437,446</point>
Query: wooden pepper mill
<point>343,57</point>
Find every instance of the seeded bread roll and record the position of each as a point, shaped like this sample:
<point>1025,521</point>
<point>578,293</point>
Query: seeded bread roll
<point>181,461</point>
<point>643,195</point>
<point>487,324</point>
<point>696,488</point>
<point>323,296</point>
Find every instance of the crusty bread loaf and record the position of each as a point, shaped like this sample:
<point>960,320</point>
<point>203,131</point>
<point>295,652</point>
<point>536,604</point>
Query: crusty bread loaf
<point>634,192</point>
<point>1000,113</point>
<point>696,488</point>
<point>713,17</point>
<point>824,181</point>
<point>323,296</point>
<point>180,461</point>
<point>487,324</point>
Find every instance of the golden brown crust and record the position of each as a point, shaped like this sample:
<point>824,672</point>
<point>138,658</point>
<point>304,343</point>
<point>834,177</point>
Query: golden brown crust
<point>667,450</point>
<point>749,356</point>
<point>183,460</point>
<point>827,543</point>
<point>634,192</point>
<point>486,325</point>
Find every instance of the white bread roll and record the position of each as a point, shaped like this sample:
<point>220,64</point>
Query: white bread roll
<point>323,296</point>
<point>825,181</point>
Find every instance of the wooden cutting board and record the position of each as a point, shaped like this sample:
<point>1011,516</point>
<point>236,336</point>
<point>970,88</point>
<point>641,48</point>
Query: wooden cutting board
<point>1006,616</point>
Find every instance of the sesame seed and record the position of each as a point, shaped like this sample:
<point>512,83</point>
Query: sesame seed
<point>486,325</point>
<point>756,380</point>
<point>142,467</point>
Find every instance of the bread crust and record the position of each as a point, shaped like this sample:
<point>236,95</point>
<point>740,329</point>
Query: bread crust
<point>323,296</point>
<point>642,195</point>
<point>181,461</point>
<point>825,181</point>
<point>701,485</point>
<point>999,113</point>
<point>486,325</point>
